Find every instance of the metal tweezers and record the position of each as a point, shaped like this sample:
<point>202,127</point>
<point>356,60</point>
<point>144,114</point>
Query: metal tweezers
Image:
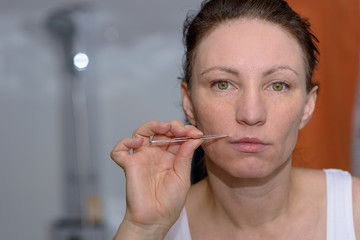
<point>184,139</point>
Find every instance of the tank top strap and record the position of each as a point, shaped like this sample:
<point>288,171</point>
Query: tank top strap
<point>340,222</point>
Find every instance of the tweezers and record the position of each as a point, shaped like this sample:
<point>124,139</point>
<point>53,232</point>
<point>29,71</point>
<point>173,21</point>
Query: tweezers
<point>184,139</point>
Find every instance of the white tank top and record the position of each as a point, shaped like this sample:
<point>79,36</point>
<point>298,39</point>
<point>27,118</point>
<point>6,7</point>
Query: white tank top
<point>340,223</point>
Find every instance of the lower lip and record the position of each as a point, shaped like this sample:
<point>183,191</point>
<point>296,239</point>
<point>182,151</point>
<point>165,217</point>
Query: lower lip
<point>250,147</point>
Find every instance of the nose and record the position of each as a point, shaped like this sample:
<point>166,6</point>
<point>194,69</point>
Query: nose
<point>251,109</point>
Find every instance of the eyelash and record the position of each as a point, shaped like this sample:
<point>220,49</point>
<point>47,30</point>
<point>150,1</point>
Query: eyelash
<point>284,85</point>
<point>229,84</point>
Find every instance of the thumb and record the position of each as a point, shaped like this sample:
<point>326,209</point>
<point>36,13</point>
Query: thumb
<point>183,159</point>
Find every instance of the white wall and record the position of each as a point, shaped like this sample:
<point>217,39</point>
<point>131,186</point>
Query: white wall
<point>30,166</point>
<point>136,51</point>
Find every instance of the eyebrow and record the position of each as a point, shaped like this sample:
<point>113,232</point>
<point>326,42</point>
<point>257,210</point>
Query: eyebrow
<point>222,69</point>
<point>279,68</point>
<point>236,73</point>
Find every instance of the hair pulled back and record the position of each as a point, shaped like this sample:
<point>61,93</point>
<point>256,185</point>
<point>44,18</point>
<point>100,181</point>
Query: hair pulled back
<point>216,12</point>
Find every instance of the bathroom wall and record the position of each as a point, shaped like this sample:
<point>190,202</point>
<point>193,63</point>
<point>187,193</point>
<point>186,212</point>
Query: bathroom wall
<point>135,51</point>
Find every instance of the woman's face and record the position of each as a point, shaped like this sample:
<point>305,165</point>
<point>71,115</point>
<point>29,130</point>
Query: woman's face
<point>248,81</point>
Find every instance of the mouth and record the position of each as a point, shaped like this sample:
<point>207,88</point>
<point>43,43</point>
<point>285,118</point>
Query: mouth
<point>249,145</point>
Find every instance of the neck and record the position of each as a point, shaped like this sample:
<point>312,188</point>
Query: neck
<point>252,202</point>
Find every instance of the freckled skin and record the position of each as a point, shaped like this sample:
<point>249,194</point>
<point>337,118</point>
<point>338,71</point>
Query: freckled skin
<point>254,103</point>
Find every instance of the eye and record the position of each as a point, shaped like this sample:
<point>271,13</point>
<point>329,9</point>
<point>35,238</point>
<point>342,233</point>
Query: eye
<point>222,85</point>
<point>279,86</point>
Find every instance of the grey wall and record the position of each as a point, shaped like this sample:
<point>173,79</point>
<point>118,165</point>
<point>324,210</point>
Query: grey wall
<point>135,54</point>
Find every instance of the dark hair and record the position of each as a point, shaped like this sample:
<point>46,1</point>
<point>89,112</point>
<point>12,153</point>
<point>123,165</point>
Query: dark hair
<point>215,12</point>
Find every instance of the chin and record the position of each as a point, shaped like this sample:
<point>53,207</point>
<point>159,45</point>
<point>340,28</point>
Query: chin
<point>252,169</point>
<point>240,168</point>
<point>247,168</point>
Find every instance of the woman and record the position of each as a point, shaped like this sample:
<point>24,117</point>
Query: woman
<point>247,74</point>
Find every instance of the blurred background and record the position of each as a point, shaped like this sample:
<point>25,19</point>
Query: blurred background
<point>61,115</point>
<point>77,76</point>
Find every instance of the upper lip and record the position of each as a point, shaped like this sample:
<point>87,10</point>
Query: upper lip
<point>252,140</point>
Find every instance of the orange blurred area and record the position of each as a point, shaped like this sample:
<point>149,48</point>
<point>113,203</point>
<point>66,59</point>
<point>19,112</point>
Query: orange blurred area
<point>326,140</point>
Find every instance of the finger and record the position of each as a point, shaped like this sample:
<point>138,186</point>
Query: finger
<point>193,132</point>
<point>183,159</point>
<point>121,149</point>
<point>185,131</point>
<point>177,129</point>
<point>151,128</point>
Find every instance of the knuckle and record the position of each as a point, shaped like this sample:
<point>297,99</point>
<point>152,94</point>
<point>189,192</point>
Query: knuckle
<point>112,155</point>
<point>175,122</point>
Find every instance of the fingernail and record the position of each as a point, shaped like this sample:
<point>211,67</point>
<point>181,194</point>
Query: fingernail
<point>197,133</point>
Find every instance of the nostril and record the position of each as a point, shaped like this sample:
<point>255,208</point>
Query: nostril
<point>251,117</point>
<point>251,108</point>
<point>252,123</point>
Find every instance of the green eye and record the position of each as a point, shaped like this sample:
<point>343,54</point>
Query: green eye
<point>279,86</point>
<point>223,85</point>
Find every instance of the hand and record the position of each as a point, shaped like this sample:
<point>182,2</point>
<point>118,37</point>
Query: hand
<point>157,176</point>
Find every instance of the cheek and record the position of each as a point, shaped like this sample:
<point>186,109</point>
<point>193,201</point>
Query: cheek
<point>212,116</point>
<point>286,125</point>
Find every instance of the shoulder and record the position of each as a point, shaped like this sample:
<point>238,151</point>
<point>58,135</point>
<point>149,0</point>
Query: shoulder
<point>310,192</point>
<point>356,204</point>
<point>311,179</point>
<point>311,184</point>
<point>196,195</point>
<point>308,172</point>
<point>196,207</point>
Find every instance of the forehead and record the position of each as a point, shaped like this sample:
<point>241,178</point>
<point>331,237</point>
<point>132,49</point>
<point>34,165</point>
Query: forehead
<point>253,45</point>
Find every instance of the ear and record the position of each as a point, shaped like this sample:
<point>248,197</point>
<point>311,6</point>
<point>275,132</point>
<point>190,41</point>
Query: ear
<point>187,103</point>
<point>309,107</point>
